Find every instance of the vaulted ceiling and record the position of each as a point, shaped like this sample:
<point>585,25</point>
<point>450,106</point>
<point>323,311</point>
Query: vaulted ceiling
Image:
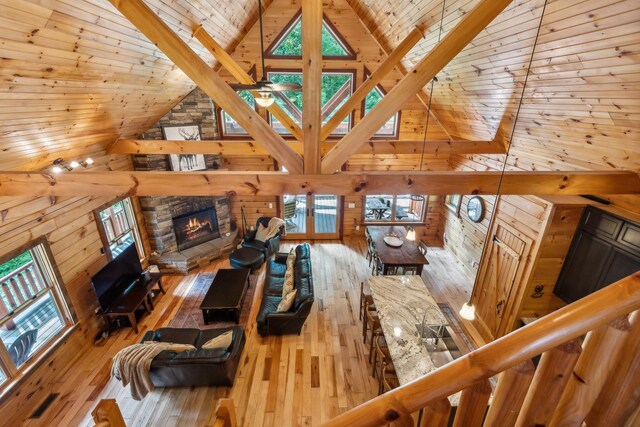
<point>76,74</point>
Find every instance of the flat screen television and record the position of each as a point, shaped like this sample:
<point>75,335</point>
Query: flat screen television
<point>117,276</point>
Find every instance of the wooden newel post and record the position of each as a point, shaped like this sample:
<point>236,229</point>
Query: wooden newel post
<point>108,414</point>
<point>510,393</point>
<point>549,381</point>
<point>225,414</point>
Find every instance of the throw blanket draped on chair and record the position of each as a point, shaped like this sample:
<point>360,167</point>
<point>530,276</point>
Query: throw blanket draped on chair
<point>272,229</point>
<point>131,365</point>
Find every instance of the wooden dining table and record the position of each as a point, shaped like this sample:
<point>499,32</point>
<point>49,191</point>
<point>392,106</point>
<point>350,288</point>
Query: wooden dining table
<point>407,255</point>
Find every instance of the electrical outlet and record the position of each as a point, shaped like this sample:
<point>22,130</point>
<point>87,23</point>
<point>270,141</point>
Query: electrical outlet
<point>270,205</point>
<point>357,228</point>
<point>352,205</point>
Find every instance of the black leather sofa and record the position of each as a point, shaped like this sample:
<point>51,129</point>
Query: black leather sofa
<point>267,248</point>
<point>198,367</point>
<point>269,321</point>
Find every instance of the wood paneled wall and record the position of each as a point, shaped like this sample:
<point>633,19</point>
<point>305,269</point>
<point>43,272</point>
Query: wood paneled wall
<point>76,75</point>
<point>463,237</point>
<point>71,230</point>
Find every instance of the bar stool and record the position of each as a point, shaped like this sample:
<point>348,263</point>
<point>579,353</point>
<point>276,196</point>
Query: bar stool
<point>371,323</point>
<point>389,379</point>
<point>366,300</point>
<point>381,358</point>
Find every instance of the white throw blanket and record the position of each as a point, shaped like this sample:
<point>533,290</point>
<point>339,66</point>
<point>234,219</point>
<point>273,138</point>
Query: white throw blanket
<point>131,365</point>
<point>271,230</point>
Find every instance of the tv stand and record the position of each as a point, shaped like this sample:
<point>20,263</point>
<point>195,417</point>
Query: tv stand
<point>138,295</point>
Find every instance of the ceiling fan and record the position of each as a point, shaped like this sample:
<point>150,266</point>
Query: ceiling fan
<point>263,86</point>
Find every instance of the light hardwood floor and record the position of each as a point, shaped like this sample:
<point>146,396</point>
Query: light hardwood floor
<point>281,381</point>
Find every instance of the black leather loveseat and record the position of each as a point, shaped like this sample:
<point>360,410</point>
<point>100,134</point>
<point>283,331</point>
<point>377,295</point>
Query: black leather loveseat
<point>198,367</point>
<point>269,321</point>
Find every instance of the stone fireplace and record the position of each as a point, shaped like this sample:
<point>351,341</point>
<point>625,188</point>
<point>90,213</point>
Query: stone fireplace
<point>187,232</point>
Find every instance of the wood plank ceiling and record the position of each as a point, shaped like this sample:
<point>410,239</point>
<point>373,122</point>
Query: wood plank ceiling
<point>76,75</point>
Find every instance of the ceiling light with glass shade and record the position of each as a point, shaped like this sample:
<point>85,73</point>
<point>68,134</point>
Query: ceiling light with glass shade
<point>265,100</point>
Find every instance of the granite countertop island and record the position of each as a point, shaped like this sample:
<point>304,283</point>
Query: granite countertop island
<point>401,302</point>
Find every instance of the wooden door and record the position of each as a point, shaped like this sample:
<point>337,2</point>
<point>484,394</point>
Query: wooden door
<point>502,271</point>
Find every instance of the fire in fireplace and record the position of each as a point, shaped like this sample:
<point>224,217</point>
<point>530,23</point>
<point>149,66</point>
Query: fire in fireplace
<point>195,228</point>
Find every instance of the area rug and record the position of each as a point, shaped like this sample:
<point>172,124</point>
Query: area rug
<point>455,325</point>
<point>189,314</point>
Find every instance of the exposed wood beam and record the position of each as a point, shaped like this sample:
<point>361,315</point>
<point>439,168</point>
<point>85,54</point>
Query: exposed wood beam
<point>374,79</point>
<point>468,27</point>
<point>250,147</point>
<point>345,183</point>
<point>311,84</point>
<point>243,77</point>
<point>213,85</point>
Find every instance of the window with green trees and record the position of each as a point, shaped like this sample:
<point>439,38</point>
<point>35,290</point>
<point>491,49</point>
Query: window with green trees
<point>289,44</point>
<point>390,128</point>
<point>33,311</point>
<point>230,127</point>
<point>337,87</point>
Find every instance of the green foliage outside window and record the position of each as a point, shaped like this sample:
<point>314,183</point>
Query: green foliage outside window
<point>291,45</point>
<point>15,263</point>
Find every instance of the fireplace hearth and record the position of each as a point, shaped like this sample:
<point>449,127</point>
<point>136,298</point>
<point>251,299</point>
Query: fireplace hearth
<point>195,228</point>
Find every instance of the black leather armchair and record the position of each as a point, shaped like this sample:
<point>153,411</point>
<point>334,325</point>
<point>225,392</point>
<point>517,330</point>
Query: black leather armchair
<point>269,321</point>
<point>198,367</point>
<point>268,248</point>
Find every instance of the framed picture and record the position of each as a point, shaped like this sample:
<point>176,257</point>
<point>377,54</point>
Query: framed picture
<point>184,162</point>
<point>452,202</point>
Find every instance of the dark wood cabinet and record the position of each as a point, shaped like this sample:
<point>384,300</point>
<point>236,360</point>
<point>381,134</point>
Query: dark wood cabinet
<point>605,249</point>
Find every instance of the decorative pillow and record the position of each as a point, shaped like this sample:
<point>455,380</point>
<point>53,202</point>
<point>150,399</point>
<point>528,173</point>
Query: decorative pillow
<point>291,259</point>
<point>289,283</point>
<point>262,232</point>
<point>221,342</point>
<point>287,301</point>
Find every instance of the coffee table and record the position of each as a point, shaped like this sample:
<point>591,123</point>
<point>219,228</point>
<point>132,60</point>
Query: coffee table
<point>226,294</point>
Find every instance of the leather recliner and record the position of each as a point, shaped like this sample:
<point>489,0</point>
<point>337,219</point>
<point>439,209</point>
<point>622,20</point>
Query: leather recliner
<point>269,321</point>
<point>268,248</point>
<point>198,367</point>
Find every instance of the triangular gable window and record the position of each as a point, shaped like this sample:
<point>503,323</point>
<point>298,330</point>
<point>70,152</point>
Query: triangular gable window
<point>390,129</point>
<point>337,87</point>
<point>288,44</point>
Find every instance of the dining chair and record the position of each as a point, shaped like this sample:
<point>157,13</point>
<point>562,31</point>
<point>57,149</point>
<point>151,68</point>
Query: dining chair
<point>407,270</point>
<point>422,247</point>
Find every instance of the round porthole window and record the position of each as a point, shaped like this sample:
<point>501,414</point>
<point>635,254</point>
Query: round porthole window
<point>475,209</point>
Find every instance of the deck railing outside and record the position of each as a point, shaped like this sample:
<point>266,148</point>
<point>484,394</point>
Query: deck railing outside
<point>20,286</point>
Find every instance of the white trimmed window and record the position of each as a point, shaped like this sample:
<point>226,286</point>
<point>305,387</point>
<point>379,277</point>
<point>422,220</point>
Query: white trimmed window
<point>119,229</point>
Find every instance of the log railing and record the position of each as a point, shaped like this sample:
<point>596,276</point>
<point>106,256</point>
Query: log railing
<point>224,414</point>
<point>107,414</point>
<point>595,380</point>
<point>20,286</point>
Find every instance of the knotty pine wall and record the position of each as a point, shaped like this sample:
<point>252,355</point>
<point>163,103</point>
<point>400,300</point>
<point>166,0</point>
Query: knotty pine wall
<point>69,225</point>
